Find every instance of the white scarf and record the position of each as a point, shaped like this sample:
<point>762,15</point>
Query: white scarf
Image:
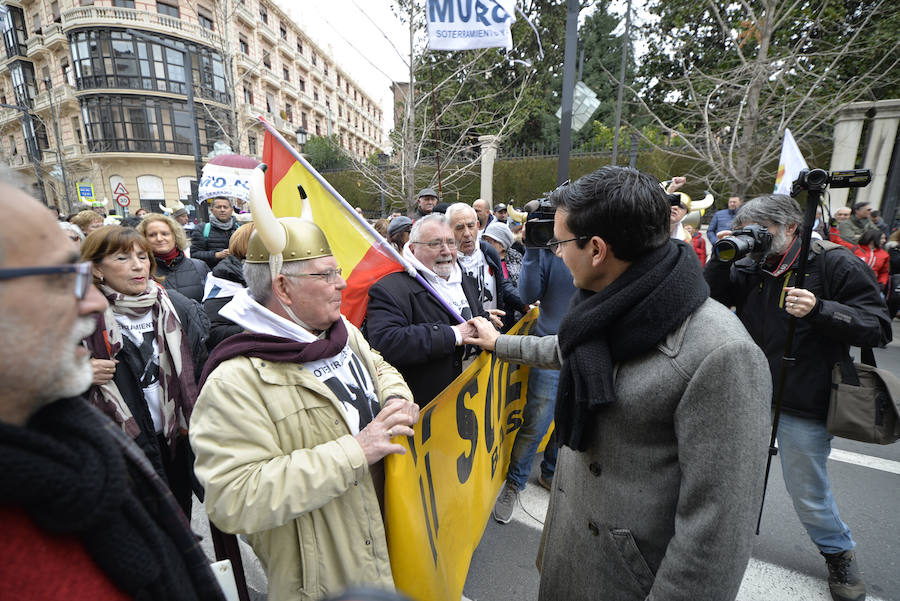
<point>477,266</point>
<point>450,289</point>
<point>343,374</point>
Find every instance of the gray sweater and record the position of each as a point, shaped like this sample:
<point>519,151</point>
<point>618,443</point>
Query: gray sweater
<point>662,506</point>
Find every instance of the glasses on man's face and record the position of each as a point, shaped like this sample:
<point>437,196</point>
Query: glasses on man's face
<point>553,243</point>
<point>82,273</point>
<point>331,276</point>
<point>436,244</point>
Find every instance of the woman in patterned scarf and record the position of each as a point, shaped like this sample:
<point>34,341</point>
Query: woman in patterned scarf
<point>144,372</point>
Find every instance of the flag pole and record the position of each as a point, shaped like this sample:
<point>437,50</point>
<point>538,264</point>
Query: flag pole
<point>383,244</point>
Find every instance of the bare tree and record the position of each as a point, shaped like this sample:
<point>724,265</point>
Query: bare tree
<point>726,84</point>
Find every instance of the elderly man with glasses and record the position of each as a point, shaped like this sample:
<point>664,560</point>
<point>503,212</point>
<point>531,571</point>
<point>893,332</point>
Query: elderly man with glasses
<point>407,324</point>
<point>294,418</point>
<point>83,513</point>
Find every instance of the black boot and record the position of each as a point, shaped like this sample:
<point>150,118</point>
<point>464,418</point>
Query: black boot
<point>844,580</point>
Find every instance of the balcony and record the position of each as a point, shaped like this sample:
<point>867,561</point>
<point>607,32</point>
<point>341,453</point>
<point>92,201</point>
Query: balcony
<point>289,89</point>
<point>35,42</point>
<point>286,49</point>
<point>62,95</point>
<point>243,14</point>
<point>111,16</point>
<point>266,33</point>
<point>270,78</point>
<point>319,108</point>
<point>245,62</point>
<point>301,61</point>
<point>8,116</point>
<point>316,73</point>
<point>18,160</point>
<point>53,35</point>
<point>306,100</point>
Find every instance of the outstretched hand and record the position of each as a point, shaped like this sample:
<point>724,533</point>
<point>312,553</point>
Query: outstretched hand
<point>394,419</point>
<point>485,334</point>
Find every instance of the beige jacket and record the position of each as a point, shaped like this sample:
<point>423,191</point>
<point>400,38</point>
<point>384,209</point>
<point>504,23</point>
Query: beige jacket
<point>279,464</point>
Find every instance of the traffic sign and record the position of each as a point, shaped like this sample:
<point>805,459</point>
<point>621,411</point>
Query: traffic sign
<point>85,191</point>
<point>121,194</point>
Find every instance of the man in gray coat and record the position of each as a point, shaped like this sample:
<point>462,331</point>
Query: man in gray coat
<point>662,428</point>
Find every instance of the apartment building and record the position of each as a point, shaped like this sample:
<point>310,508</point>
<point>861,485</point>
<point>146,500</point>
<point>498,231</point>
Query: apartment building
<point>103,92</point>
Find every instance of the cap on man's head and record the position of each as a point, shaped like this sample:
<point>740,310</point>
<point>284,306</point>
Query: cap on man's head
<point>427,192</point>
<point>399,224</point>
<point>498,231</point>
<point>499,207</point>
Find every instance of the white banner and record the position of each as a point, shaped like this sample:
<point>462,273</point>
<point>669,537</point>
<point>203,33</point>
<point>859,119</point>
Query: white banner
<point>219,181</point>
<point>469,24</point>
<point>790,164</point>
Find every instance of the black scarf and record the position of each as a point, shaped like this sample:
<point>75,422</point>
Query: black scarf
<point>628,317</point>
<point>277,348</point>
<point>71,476</point>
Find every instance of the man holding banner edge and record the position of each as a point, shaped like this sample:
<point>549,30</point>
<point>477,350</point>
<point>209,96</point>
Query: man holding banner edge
<point>661,460</point>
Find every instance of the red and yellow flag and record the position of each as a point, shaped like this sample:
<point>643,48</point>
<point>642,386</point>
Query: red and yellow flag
<point>363,255</point>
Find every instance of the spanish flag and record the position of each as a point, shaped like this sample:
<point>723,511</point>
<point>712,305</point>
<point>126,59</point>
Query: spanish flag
<point>363,255</point>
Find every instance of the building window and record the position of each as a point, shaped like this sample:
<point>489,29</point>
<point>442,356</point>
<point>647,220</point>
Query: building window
<point>286,75</point>
<point>301,83</point>
<point>316,94</point>
<point>303,120</point>
<point>283,31</point>
<point>245,48</point>
<point>318,130</point>
<point>142,124</point>
<point>13,149</point>
<point>251,144</point>
<point>289,112</point>
<point>340,111</point>
<point>267,60</point>
<point>76,130</point>
<point>204,17</point>
<point>170,10</point>
<point>24,85</point>
<point>123,3</point>
<point>270,102</point>
<point>113,59</point>
<point>263,14</point>
<point>14,32</point>
<point>54,10</point>
<point>325,67</point>
<point>248,96</point>
<point>299,47</point>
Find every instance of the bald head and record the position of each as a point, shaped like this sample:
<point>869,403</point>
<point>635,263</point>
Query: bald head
<point>482,210</point>
<point>36,230</point>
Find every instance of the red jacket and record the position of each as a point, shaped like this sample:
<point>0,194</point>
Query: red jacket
<point>835,236</point>
<point>699,244</point>
<point>876,258</point>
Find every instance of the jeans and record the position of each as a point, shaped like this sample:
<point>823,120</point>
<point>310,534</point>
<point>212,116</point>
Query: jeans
<point>804,445</point>
<point>540,401</point>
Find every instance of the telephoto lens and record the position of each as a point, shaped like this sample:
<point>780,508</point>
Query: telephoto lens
<point>742,242</point>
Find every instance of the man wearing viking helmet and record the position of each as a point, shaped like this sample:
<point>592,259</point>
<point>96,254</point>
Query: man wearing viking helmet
<point>295,416</point>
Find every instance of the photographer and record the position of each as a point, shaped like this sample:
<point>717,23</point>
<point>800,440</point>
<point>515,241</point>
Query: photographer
<point>840,306</point>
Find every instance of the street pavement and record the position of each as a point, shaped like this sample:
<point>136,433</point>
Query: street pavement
<point>785,565</point>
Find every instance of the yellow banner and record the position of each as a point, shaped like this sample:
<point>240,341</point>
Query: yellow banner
<point>439,495</point>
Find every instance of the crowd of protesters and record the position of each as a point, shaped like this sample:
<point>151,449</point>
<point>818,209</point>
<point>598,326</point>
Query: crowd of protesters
<point>180,377</point>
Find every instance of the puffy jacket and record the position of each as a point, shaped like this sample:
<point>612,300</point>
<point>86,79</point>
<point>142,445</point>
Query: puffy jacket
<point>184,274</point>
<point>849,312</point>
<point>877,259</point>
<point>205,247</point>
<point>279,464</point>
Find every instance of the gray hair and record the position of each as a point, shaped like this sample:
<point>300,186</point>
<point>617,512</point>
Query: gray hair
<point>433,218</point>
<point>457,207</point>
<point>775,209</point>
<point>259,278</point>
<point>71,227</point>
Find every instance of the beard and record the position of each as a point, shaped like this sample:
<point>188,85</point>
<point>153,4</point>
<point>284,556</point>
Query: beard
<point>779,245</point>
<point>72,373</point>
<point>443,270</point>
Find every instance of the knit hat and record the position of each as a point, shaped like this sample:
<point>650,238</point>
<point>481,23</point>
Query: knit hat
<point>497,230</point>
<point>399,224</point>
<point>227,176</point>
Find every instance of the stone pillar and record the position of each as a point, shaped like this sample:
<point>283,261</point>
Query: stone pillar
<point>879,148</point>
<point>488,156</point>
<point>847,131</point>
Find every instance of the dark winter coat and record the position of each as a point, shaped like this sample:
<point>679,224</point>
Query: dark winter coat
<point>849,312</point>
<point>185,274</point>
<point>508,298</point>
<point>411,329</point>
<point>230,268</point>
<point>206,247</point>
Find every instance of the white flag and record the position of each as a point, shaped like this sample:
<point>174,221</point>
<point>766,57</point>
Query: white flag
<point>790,164</point>
<point>468,24</point>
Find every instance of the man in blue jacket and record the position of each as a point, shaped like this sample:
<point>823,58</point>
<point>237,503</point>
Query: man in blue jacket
<point>544,277</point>
<point>722,219</point>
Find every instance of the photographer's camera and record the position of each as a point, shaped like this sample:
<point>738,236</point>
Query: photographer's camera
<point>753,238</point>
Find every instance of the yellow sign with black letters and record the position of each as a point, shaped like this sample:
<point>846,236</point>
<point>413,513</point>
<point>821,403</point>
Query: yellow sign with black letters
<point>439,495</point>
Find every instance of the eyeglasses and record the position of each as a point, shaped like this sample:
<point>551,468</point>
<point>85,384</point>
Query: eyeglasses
<point>82,273</point>
<point>553,243</point>
<point>436,244</point>
<point>331,276</point>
